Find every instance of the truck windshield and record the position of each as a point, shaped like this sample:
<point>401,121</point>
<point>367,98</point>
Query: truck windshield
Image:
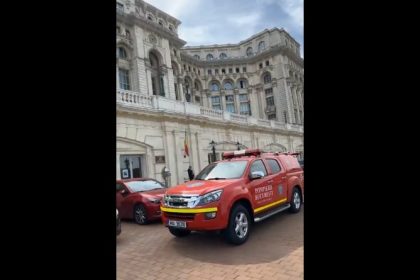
<point>223,170</point>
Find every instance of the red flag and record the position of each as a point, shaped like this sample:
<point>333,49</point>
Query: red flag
<point>186,152</point>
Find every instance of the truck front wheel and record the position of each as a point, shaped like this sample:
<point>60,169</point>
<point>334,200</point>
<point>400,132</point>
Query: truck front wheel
<point>239,225</point>
<point>179,232</point>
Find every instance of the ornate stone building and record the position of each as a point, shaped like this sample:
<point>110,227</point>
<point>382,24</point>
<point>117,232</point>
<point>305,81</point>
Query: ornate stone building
<point>244,95</point>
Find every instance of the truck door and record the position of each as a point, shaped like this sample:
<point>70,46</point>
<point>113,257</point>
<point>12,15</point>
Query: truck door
<point>261,191</point>
<point>277,178</point>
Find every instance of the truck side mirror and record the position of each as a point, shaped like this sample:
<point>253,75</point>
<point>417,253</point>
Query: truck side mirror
<point>256,175</point>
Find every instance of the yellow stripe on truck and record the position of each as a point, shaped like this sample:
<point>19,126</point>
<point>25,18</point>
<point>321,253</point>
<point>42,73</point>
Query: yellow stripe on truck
<point>184,210</point>
<point>259,209</point>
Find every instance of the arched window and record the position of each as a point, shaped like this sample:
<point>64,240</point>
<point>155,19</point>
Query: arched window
<point>149,17</point>
<point>209,57</point>
<point>222,56</point>
<point>267,78</point>
<point>228,86</point>
<point>157,78</point>
<point>122,53</point>
<point>161,22</point>
<point>196,86</point>
<point>214,87</point>
<point>249,51</point>
<point>261,46</point>
<point>197,57</point>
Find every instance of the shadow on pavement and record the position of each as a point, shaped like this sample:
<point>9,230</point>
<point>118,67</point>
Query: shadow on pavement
<point>270,240</point>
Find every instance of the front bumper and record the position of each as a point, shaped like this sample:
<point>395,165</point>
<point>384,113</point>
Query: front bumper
<point>195,218</point>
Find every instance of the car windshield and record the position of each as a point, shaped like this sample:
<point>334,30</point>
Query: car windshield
<point>223,170</point>
<point>141,186</point>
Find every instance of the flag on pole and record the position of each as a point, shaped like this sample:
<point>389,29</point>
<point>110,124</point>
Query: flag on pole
<point>186,152</point>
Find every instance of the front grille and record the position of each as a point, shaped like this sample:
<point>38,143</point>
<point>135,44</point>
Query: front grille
<point>180,216</point>
<point>180,201</point>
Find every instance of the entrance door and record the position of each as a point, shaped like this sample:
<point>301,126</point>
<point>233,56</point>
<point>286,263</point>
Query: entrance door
<point>130,166</point>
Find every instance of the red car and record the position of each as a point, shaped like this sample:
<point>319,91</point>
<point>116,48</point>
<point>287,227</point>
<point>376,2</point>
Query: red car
<point>139,199</point>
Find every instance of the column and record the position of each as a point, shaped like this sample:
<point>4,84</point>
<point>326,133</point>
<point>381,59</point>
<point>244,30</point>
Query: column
<point>237,101</point>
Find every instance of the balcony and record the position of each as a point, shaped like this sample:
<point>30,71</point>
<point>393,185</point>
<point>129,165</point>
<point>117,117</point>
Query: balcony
<point>134,100</point>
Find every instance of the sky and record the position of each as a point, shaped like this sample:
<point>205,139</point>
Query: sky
<point>208,22</point>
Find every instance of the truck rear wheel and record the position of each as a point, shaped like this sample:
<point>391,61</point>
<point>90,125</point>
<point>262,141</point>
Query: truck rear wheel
<point>296,202</point>
<point>237,231</point>
<point>179,232</point>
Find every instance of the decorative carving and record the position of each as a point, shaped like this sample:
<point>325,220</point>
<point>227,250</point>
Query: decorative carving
<point>152,39</point>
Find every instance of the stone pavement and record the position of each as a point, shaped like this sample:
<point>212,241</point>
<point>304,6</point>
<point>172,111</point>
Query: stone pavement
<point>274,250</point>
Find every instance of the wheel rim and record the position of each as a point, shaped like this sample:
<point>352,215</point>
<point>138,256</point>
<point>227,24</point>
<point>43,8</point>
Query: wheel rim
<point>296,200</point>
<point>241,225</point>
<point>140,215</point>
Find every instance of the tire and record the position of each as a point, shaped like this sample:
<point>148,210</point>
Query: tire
<point>179,232</point>
<point>239,225</point>
<point>296,201</point>
<point>140,214</point>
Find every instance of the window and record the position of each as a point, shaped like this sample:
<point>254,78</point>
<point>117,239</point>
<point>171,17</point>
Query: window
<point>196,86</point>
<point>197,99</point>
<point>124,80</point>
<point>261,46</point>
<point>244,69</point>
<point>209,71</point>
<point>176,92</point>
<point>285,116</point>
<point>118,30</point>
<point>242,84</point>
<point>270,101</point>
<point>198,71</point>
<point>216,71</point>
<point>223,71</point>
<point>222,56</point>
<point>244,107</point>
<point>258,165</point>
<point>267,79</point>
<point>271,116</point>
<point>146,185</point>
<point>175,52</point>
<point>189,68</point>
<point>214,87</point>
<point>269,91</point>
<point>127,34</point>
<point>193,69</point>
<point>209,57</point>
<point>170,27</point>
<point>122,53</point>
<point>249,51</point>
<point>237,70</point>
<point>230,70</point>
<point>274,165</point>
<point>296,116</point>
<point>215,102</point>
<point>120,7</point>
<point>261,65</point>
<point>197,57</point>
<point>149,17</point>
<point>228,86</point>
<point>267,63</point>
<point>230,103</point>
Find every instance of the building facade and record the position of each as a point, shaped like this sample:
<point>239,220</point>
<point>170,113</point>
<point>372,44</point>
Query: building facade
<point>209,98</point>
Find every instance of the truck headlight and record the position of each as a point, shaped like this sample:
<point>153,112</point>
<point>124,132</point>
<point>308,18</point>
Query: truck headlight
<point>210,197</point>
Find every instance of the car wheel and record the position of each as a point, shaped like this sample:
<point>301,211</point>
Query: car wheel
<point>239,225</point>
<point>296,202</point>
<point>179,232</point>
<point>140,214</point>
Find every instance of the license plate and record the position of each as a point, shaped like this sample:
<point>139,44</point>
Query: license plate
<point>180,224</point>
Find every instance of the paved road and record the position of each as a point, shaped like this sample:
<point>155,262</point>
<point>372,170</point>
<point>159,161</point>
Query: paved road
<point>273,251</point>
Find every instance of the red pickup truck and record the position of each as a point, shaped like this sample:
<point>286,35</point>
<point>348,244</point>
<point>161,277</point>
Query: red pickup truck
<point>246,186</point>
